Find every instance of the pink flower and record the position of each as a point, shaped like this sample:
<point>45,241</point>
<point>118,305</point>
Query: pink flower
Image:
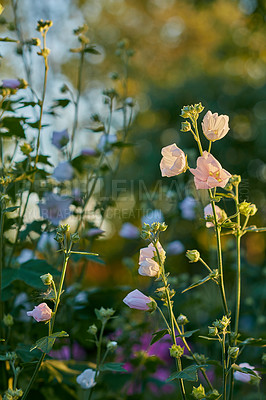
<point>173,162</point>
<point>240,376</point>
<point>209,173</point>
<point>221,214</point>
<point>215,126</point>
<point>137,300</point>
<point>147,266</point>
<point>11,83</point>
<point>40,313</point>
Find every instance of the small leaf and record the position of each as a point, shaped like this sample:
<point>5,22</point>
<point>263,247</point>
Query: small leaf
<point>200,282</point>
<point>91,50</point>
<point>159,335</point>
<point>113,366</point>
<point>10,209</point>
<point>188,374</point>
<point>208,338</point>
<point>45,344</point>
<point>7,39</point>
<point>188,333</point>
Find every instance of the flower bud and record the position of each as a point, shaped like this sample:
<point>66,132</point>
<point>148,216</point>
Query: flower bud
<point>213,331</point>
<point>47,279</point>
<point>193,255</point>
<point>93,329</point>
<point>111,346</point>
<point>26,148</point>
<point>199,392</point>
<point>233,352</point>
<point>185,126</point>
<point>176,351</point>
<point>235,180</point>
<point>182,320</point>
<point>247,209</point>
<point>8,320</point>
<point>75,237</point>
<point>223,323</point>
<point>104,313</point>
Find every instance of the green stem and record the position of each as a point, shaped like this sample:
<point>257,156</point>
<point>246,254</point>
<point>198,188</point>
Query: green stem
<point>195,125</point>
<point>38,366</point>
<point>205,264</point>
<point>210,146</point>
<point>224,367</point>
<point>2,215</point>
<point>98,357</point>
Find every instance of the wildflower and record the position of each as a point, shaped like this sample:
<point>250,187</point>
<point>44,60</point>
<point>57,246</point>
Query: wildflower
<point>209,173</point>
<point>148,266</point>
<point>60,138</point>
<point>241,376</point>
<point>173,162</point>
<point>129,231</point>
<point>175,247</point>
<point>87,379</point>
<point>55,208</point>
<point>138,300</point>
<point>63,172</point>
<point>208,212</point>
<point>215,126</point>
<point>11,83</point>
<point>40,313</point>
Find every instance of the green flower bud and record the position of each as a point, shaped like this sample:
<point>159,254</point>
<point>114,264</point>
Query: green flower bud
<point>75,237</point>
<point>35,42</point>
<point>199,392</point>
<point>43,26</point>
<point>185,126</point>
<point>246,208</point>
<point>176,351</point>
<point>152,305</point>
<point>93,329</point>
<point>59,237</point>
<point>193,255</point>
<point>223,323</point>
<point>8,320</point>
<point>26,148</point>
<point>198,107</point>
<point>182,320</point>
<point>111,346</point>
<point>233,352</point>
<point>213,331</point>
<point>47,279</point>
<point>63,228</point>
<point>104,313</point>
<point>235,180</point>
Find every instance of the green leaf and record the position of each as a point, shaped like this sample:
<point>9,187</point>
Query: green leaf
<point>76,257</point>
<point>253,342</point>
<point>188,374</point>
<point>12,126</point>
<point>61,103</point>
<point>91,50</point>
<point>188,333</point>
<point>208,338</point>
<point>44,160</point>
<point>245,370</point>
<point>200,282</point>
<point>7,39</point>
<point>35,226</point>
<point>113,366</point>
<point>11,209</point>
<point>45,344</point>
<point>159,335</point>
<point>121,144</point>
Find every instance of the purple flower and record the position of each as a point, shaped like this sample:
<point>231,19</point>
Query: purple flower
<point>63,172</point>
<point>88,152</point>
<point>60,138</point>
<point>94,232</point>
<point>47,243</point>
<point>11,83</point>
<point>187,207</point>
<point>55,208</point>
<point>64,353</point>
<point>129,231</point>
<point>175,247</point>
<point>153,216</point>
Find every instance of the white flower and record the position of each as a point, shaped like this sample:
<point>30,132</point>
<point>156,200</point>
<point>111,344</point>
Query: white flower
<point>147,266</point>
<point>221,214</point>
<point>87,379</point>
<point>173,162</point>
<point>215,126</point>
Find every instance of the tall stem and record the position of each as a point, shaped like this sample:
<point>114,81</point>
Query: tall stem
<point>238,276</point>
<point>224,367</point>
<point>1,260</point>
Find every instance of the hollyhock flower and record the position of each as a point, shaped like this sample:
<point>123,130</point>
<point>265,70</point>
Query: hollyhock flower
<point>87,379</point>
<point>153,216</point>
<point>55,208</point>
<point>40,313</point>
<point>173,162</point>
<point>240,376</point>
<point>175,248</point>
<point>147,266</point>
<point>11,83</point>
<point>60,138</point>
<point>187,207</point>
<point>215,126</point>
<point>137,300</point>
<point>63,172</point>
<point>129,231</point>
<point>209,173</point>
<point>221,214</point>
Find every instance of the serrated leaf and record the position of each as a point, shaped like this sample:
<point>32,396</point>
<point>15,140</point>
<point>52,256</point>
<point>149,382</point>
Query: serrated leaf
<point>45,344</point>
<point>113,366</point>
<point>159,335</point>
<point>188,374</point>
<point>188,333</point>
<point>200,282</point>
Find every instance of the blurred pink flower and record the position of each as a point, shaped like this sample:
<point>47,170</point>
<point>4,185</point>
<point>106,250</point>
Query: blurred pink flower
<point>209,173</point>
<point>147,266</point>
<point>63,172</point>
<point>221,215</point>
<point>137,300</point>
<point>55,208</point>
<point>215,126</point>
<point>240,376</point>
<point>11,83</point>
<point>40,313</point>
<point>129,231</point>
<point>173,162</point>
<point>60,138</point>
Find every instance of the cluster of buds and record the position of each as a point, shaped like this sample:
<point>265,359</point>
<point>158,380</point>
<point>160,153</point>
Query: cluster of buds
<point>11,356</point>
<point>11,394</point>
<point>192,112</point>
<point>60,232</point>
<point>176,351</point>
<point>123,48</point>
<point>44,26</point>
<point>152,231</point>
<point>162,293</point>
<point>219,326</point>
<point>80,32</point>
<point>199,392</point>
<point>104,314</point>
<point>193,255</point>
<point>247,209</point>
<point>5,180</point>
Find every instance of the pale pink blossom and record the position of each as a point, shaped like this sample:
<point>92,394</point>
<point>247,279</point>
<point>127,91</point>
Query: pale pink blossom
<point>87,379</point>
<point>215,126</point>
<point>11,83</point>
<point>40,313</point>
<point>137,300</point>
<point>240,376</point>
<point>221,214</point>
<point>209,173</point>
<point>173,162</point>
<point>148,266</point>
